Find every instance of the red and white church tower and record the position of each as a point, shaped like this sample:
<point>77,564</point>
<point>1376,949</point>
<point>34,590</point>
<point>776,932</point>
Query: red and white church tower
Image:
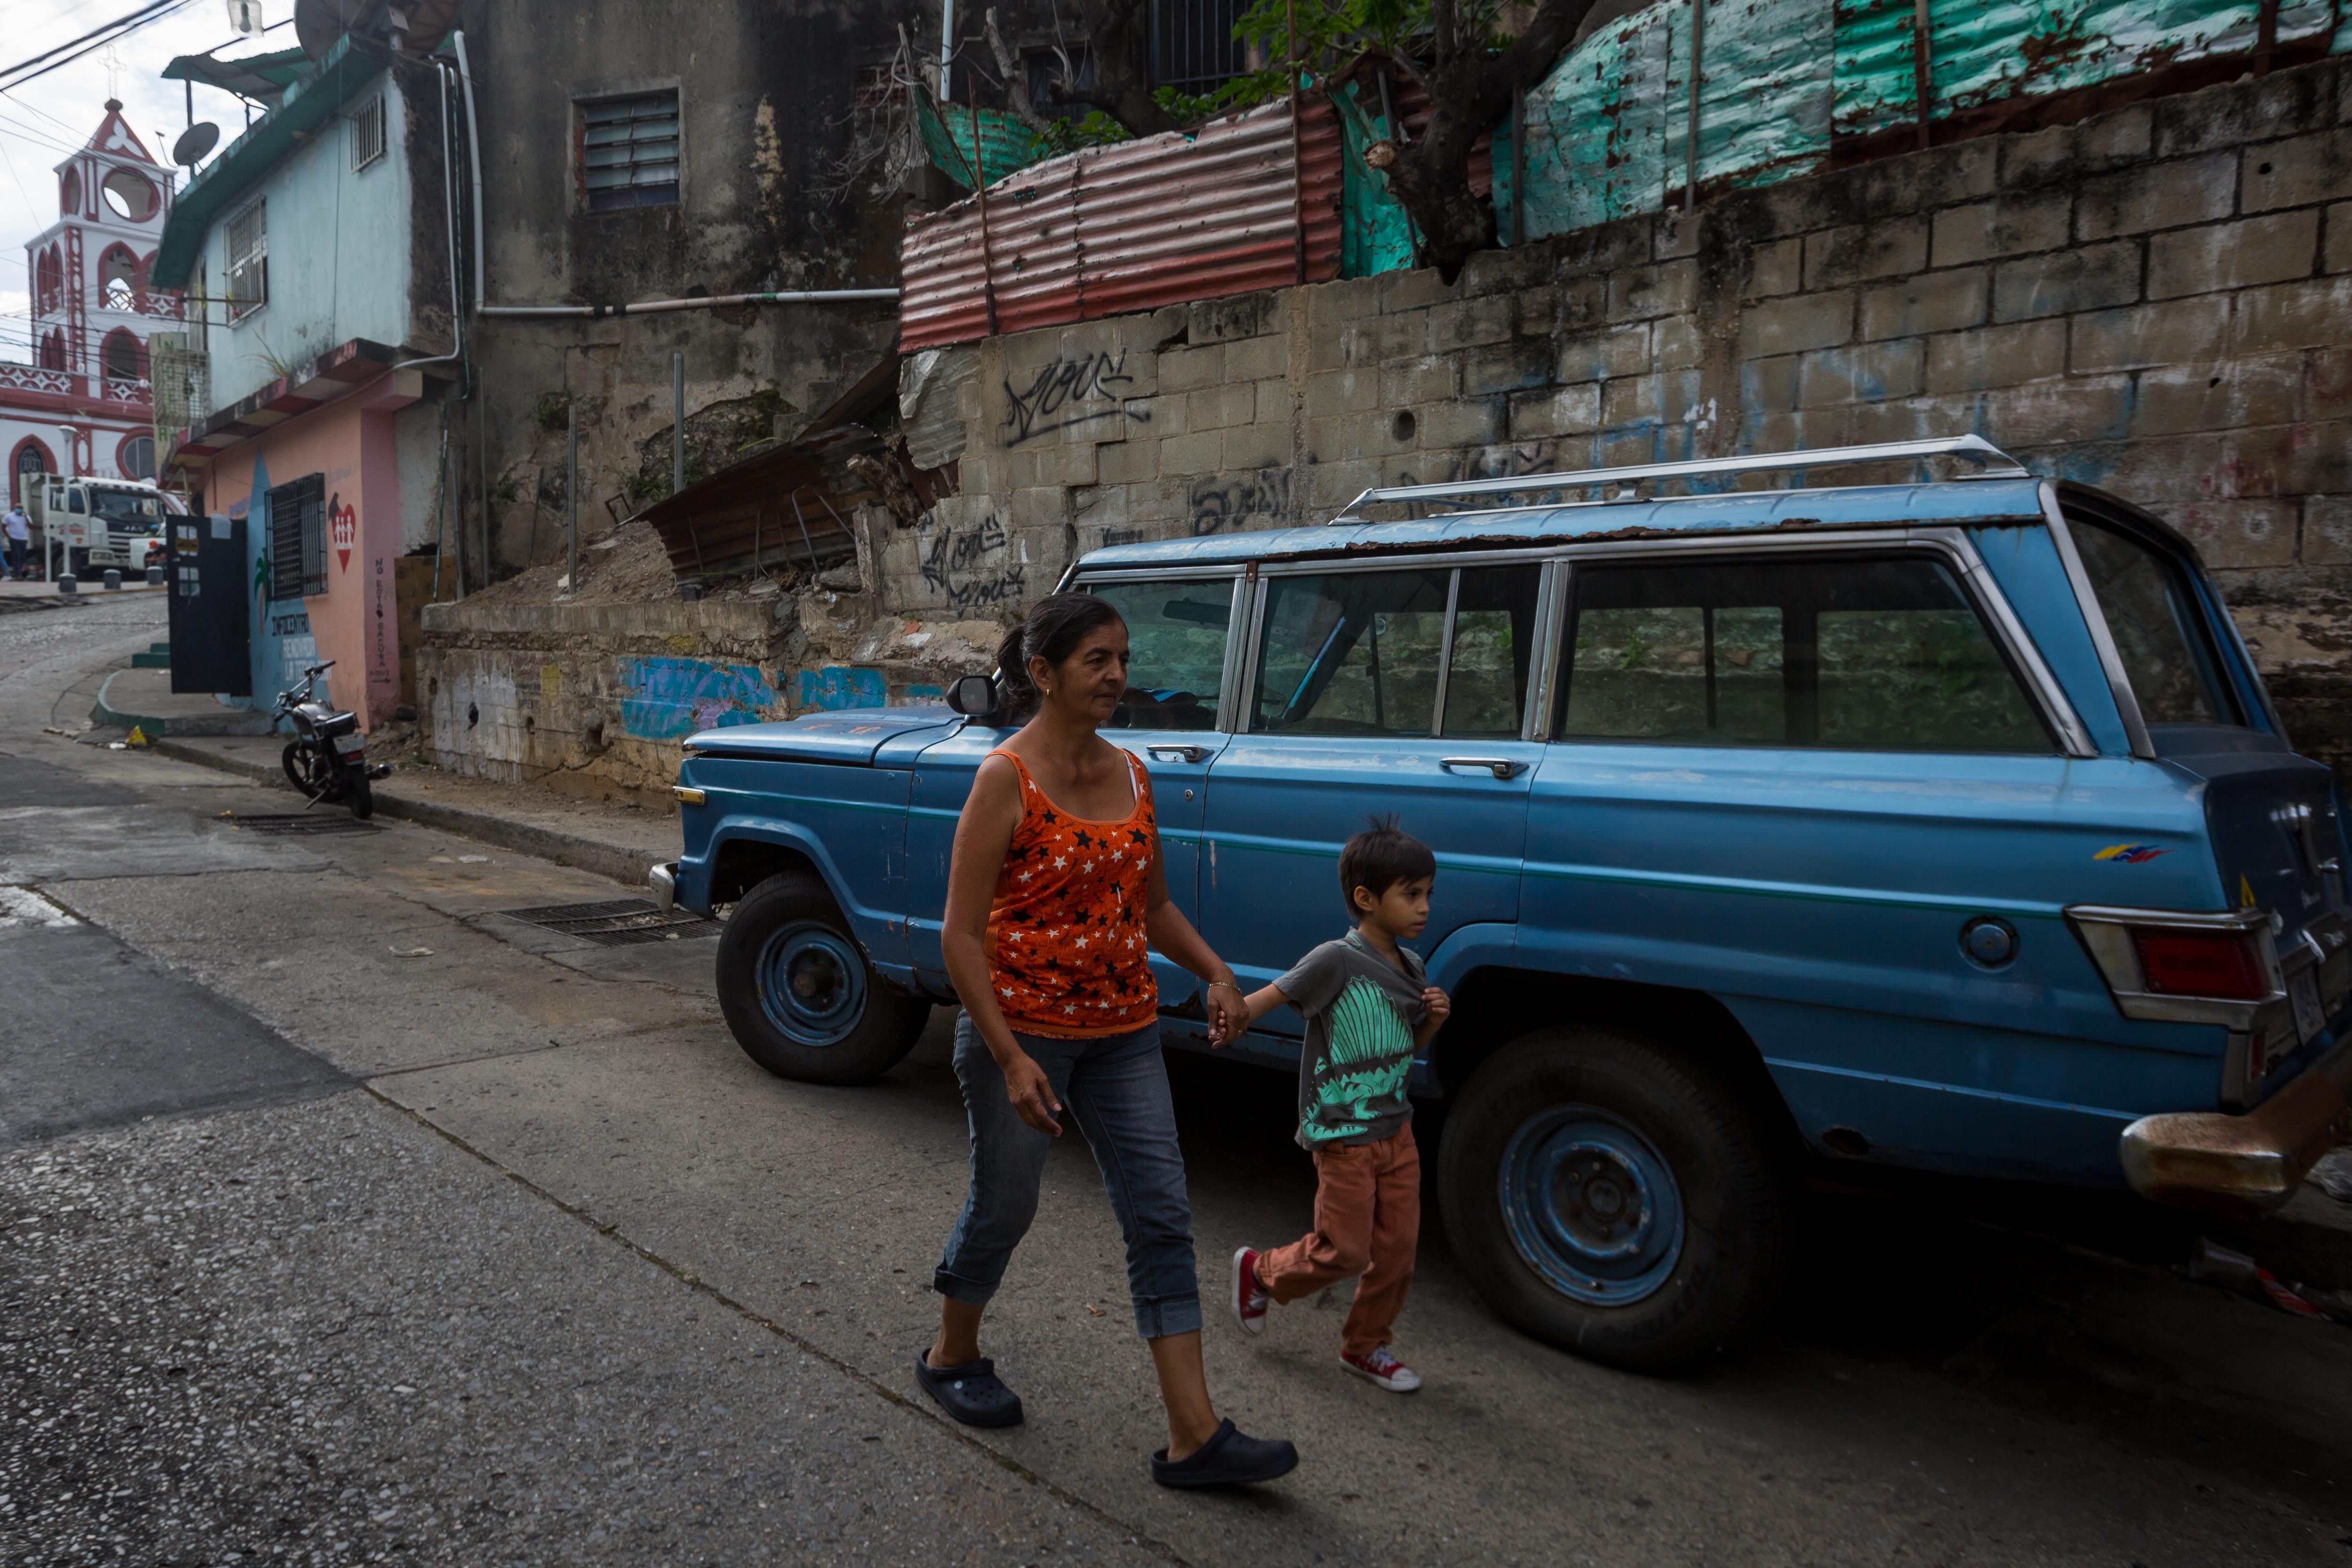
<point>84,404</point>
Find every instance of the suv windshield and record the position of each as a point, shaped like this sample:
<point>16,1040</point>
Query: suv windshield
<point>2159,625</point>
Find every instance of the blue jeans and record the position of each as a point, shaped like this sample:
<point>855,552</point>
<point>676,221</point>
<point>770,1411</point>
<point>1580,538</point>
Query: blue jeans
<point>1115,1091</point>
<point>16,557</point>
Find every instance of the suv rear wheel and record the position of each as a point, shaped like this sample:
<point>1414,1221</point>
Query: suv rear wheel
<point>798,994</point>
<point>1616,1198</point>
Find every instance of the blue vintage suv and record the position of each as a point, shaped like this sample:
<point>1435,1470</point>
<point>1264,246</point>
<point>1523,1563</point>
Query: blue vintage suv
<point>1943,825</point>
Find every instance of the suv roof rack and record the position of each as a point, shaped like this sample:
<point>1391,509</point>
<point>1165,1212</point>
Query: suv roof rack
<point>1974,448</point>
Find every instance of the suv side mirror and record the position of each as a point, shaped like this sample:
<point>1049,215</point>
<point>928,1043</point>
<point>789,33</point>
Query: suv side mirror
<point>972,695</point>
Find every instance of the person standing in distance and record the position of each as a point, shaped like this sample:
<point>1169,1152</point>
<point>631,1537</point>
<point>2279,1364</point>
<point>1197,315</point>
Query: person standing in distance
<point>15,532</point>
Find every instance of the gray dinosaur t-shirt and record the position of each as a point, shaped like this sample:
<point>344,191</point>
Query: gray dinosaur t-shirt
<point>1360,1014</point>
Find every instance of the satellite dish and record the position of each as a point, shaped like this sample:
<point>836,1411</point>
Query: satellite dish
<point>193,143</point>
<point>318,23</point>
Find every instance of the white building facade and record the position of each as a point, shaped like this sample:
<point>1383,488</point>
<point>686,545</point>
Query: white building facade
<point>84,404</point>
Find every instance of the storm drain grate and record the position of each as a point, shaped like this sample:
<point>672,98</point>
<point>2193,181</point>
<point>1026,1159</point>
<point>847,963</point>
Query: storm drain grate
<point>295,821</point>
<point>620,923</point>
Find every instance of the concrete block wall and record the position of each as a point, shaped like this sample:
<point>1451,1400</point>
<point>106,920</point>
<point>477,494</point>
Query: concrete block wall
<point>593,700</point>
<point>2157,300</point>
<point>590,701</point>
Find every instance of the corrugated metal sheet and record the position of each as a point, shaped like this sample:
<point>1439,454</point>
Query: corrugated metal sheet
<point>1597,126</point>
<point>1158,221</point>
<point>1607,130</point>
<point>1765,76</point>
<point>788,506</point>
<point>1981,51</point>
<point>1006,145</point>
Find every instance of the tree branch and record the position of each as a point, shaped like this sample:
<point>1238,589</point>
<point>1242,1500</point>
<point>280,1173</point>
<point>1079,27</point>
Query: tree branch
<point>1016,81</point>
<point>1469,89</point>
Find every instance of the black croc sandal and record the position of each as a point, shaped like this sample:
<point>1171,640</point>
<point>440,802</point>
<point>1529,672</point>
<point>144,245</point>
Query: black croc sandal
<point>970,1392</point>
<point>1227,1459</point>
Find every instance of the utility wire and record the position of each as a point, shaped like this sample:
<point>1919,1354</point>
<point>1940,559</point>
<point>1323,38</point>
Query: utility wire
<point>144,11</point>
<point>120,26</point>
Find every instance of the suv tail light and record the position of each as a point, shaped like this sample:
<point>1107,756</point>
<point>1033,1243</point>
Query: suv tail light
<point>2183,966</point>
<point>2224,965</point>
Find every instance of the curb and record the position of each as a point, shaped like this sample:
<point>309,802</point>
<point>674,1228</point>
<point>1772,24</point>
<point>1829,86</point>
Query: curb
<point>232,721</point>
<point>627,866</point>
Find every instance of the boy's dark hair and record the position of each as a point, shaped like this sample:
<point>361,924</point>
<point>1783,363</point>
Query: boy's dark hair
<point>1379,857</point>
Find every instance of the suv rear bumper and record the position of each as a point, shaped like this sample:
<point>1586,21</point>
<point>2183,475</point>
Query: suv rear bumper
<point>2209,1159</point>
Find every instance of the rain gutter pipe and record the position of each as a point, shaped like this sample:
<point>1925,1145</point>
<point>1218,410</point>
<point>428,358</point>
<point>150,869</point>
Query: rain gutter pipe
<point>473,154</point>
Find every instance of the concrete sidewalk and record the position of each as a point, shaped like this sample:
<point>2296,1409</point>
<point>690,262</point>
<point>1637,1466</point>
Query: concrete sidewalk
<point>612,841</point>
<point>143,698</point>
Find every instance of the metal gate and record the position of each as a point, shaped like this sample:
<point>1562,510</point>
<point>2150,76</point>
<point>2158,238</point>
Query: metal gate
<point>211,634</point>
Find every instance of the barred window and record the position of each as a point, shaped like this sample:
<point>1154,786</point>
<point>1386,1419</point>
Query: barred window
<point>1193,45</point>
<point>628,151</point>
<point>249,260</point>
<point>297,538</point>
<point>367,132</point>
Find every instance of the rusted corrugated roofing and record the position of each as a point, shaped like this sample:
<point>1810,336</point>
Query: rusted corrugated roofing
<point>1159,221</point>
<point>789,506</point>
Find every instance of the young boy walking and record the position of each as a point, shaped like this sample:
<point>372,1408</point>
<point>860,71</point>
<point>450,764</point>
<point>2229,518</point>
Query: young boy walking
<point>1369,1008</point>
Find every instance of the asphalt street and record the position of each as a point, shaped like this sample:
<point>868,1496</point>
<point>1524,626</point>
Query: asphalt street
<point>343,1217</point>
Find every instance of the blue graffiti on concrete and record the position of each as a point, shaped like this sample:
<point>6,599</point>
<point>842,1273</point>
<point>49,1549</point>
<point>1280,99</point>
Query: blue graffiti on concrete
<point>838,686</point>
<point>669,699</point>
<point>914,694</point>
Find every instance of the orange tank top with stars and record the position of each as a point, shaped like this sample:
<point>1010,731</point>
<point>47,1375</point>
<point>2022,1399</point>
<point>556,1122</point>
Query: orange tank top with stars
<point>1067,949</point>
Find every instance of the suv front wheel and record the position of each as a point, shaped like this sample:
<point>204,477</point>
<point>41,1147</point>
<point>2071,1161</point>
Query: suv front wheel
<point>1617,1198</point>
<point>798,994</point>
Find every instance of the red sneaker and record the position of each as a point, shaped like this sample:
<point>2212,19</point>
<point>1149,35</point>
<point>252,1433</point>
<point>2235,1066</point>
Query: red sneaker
<point>1383,1368</point>
<point>1250,1300</point>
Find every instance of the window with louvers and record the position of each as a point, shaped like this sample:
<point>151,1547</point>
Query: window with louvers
<point>628,151</point>
<point>297,538</point>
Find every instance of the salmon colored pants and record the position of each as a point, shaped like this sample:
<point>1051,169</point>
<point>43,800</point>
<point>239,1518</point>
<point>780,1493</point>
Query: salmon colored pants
<point>1367,1223</point>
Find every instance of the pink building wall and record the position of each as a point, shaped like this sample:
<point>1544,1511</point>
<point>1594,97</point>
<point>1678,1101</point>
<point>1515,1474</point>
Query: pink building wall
<point>349,443</point>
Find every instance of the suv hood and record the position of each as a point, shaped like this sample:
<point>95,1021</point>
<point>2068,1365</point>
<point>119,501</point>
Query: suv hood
<point>850,735</point>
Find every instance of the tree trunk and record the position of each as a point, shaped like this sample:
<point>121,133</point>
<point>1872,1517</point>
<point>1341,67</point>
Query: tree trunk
<point>1469,90</point>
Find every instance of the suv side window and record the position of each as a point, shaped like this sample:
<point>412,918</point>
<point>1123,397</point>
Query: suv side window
<point>2159,626</point>
<point>1494,637</point>
<point>1862,653</point>
<point>1360,653</point>
<point>1176,651</point>
<point>1353,653</point>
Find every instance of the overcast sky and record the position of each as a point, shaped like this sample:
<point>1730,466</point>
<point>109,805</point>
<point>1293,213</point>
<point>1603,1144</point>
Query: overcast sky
<point>45,120</point>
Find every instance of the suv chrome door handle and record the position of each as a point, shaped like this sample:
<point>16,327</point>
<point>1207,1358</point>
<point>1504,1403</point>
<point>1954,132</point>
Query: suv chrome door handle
<point>1501,767</point>
<point>1182,754</point>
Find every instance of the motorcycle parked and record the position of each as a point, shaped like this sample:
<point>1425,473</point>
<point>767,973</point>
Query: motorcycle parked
<point>327,758</point>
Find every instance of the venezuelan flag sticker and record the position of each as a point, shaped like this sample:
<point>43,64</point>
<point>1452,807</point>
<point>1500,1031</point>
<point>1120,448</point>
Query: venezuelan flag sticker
<point>2130,854</point>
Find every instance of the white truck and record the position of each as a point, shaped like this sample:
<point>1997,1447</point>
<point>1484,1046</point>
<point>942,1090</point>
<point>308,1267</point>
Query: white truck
<point>103,522</point>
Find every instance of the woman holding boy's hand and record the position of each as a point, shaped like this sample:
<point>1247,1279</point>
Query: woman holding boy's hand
<point>1056,899</point>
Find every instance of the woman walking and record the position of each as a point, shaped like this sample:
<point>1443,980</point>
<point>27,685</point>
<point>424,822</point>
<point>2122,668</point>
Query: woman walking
<point>1054,893</point>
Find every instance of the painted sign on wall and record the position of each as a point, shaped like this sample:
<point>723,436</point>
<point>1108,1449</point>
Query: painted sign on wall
<point>670,698</point>
<point>840,686</point>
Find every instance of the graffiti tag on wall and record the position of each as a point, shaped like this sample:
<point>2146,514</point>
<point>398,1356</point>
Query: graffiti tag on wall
<point>1231,505</point>
<point>1058,395</point>
<point>971,568</point>
<point>670,698</point>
